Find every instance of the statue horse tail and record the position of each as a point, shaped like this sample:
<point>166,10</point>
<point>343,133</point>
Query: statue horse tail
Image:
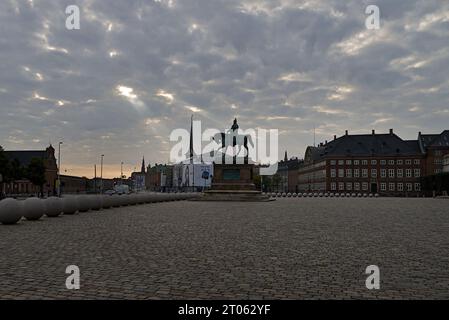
<point>250,140</point>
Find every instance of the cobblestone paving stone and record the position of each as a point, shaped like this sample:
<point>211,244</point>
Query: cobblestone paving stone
<point>306,248</point>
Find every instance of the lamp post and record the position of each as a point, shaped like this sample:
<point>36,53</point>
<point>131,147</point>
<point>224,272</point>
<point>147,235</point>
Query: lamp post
<point>121,172</point>
<point>101,174</point>
<point>59,169</point>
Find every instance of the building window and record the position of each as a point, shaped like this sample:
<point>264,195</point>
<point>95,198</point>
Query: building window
<point>438,152</point>
<point>391,162</point>
<point>373,162</point>
<point>341,173</point>
<point>400,173</point>
<point>348,173</point>
<point>383,173</point>
<point>373,173</point>
<point>365,186</point>
<point>333,162</point>
<point>364,173</point>
<point>356,173</point>
<point>417,173</point>
<point>399,162</point>
<point>437,171</point>
<point>417,186</point>
<point>341,186</point>
<point>364,162</point>
<point>349,186</point>
<point>383,186</point>
<point>357,186</point>
<point>341,162</point>
<point>400,186</point>
<point>390,173</point>
<point>438,161</point>
<point>408,173</point>
<point>333,186</point>
<point>417,161</point>
<point>391,186</point>
<point>408,162</point>
<point>383,162</point>
<point>348,162</point>
<point>356,162</point>
<point>409,187</point>
<point>333,173</point>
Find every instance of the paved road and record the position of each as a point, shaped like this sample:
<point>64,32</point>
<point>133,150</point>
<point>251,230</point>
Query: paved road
<point>286,249</point>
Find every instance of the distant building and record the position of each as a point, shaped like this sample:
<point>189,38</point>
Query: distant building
<point>435,146</point>
<point>288,174</point>
<point>72,184</point>
<point>366,163</point>
<point>446,163</point>
<point>24,157</point>
<point>159,177</point>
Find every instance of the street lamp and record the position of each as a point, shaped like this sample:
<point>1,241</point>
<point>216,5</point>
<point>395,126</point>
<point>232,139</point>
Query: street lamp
<point>101,175</point>
<point>59,169</point>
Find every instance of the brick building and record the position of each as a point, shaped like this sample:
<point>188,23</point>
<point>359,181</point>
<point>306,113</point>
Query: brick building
<point>288,174</point>
<point>24,157</point>
<point>72,184</point>
<point>435,146</point>
<point>367,163</point>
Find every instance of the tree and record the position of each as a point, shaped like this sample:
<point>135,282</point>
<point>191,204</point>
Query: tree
<point>36,173</point>
<point>4,171</point>
<point>4,164</point>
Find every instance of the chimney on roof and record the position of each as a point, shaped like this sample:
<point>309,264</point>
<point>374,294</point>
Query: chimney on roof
<point>373,132</point>
<point>419,133</point>
<point>346,132</point>
<point>335,137</point>
<point>391,131</point>
<point>325,142</point>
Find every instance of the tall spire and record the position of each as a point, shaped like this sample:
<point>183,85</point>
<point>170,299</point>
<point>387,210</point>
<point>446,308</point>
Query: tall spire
<point>191,139</point>
<point>285,156</point>
<point>142,170</point>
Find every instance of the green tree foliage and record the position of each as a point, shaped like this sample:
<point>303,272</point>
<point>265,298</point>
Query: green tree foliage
<point>36,173</point>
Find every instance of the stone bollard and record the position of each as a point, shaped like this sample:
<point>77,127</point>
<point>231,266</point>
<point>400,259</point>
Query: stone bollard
<point>53,207</point>
<point>95,203</point>
<point>33,208</point>
<point>70,205</point>
<point>83,203</point>
<point>10,211</point>
<point>106,201</point>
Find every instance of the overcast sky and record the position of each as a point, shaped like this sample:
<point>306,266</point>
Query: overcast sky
<point>137,69</point>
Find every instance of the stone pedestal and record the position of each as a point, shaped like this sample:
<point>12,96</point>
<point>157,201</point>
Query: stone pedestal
<point>233,182</point>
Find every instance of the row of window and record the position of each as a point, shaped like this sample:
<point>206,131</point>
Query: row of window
<point>357,186</point>
<point>374,162</point>
<point>392,173</point>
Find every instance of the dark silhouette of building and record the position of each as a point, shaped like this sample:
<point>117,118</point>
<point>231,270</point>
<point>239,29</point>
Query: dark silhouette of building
<point>24,157</point>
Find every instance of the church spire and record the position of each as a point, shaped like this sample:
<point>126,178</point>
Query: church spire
<point>142,170</point>
<point>285,156</point>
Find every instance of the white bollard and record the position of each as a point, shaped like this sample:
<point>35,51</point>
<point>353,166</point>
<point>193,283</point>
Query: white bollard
<point>10,211</point>
<point>33,208</point>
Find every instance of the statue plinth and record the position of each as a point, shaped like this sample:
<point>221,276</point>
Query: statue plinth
<point>233,182</point>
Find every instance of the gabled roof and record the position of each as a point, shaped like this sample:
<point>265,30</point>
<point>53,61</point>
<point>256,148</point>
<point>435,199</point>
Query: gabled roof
<point>24,157</point>
<point>364,145</point>
<point>434,140</point>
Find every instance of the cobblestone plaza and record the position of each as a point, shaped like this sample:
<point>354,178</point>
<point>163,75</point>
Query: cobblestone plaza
<point>292,248</point>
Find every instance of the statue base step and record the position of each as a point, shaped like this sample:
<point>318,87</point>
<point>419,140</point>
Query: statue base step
<point>233,195</point>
